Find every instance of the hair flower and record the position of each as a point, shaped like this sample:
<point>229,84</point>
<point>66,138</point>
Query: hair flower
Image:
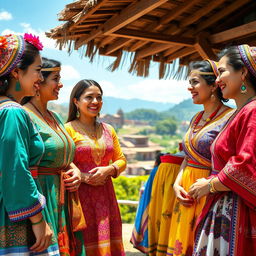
<point>3,43</point>
<point>33,40</point>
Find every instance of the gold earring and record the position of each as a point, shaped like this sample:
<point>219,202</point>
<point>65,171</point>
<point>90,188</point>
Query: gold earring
<point>77,113</point>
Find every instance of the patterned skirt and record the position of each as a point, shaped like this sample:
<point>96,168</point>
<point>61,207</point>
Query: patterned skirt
<point>181,235</point>
<point>161,205</point>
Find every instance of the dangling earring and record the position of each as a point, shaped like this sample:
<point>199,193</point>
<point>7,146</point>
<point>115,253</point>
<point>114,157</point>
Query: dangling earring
<point>77,113</point>
<point>17,86</point>
<point>213,98</point>
<point>243,88</point>
<point>37,93</point>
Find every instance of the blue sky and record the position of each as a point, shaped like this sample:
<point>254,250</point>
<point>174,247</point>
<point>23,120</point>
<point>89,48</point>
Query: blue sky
<point>37,17</point>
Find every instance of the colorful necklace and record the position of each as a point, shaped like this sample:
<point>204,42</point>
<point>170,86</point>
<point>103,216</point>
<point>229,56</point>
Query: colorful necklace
<point>49,121</point>
<point>207,119</point>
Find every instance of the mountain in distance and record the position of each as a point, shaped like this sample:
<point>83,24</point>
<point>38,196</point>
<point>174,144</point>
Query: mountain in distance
<point>184,110</point>
<point>111,105</point>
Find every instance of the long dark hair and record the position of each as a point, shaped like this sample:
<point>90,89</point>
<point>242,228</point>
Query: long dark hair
<point>235,61</point>
<point>76,93</point>
<point>46,63</point>
<point>205,66</point>
<point>28,57</point>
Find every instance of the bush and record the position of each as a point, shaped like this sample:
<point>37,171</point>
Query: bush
<point>127,188</point>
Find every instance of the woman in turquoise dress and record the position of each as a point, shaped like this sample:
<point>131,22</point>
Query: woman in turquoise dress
<point>58,177</point>
<point>24,228</point>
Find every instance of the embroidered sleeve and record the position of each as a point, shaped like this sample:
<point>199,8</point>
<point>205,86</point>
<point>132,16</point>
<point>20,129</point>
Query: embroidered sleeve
<point>239,174</point>
<point>119,159</point>
<point>21,198</point>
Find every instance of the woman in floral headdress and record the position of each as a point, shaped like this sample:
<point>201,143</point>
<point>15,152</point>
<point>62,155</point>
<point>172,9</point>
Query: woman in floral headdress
<point>203,129</point>
<point>23,224</point>
<point>227,225</point>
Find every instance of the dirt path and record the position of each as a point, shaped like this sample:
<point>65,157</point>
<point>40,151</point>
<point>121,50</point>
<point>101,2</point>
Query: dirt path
<point>130,251</point>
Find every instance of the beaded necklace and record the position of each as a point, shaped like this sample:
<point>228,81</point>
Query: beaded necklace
<point>207,119</point>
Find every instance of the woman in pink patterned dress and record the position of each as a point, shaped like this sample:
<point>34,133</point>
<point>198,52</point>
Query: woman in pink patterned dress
<point>99,157</point>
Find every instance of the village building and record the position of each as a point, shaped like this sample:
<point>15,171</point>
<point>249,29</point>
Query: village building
<point>140,153</point>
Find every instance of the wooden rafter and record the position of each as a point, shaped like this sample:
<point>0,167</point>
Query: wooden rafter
<point>204,48</point>
<point>221,14</point>
<point>181,53</point>
<point>154,37</point>
<point>200,13</point>
<point>233,33</point>
<point>129,14</point>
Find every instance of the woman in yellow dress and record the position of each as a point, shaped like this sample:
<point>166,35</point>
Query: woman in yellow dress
<point>202,131</point>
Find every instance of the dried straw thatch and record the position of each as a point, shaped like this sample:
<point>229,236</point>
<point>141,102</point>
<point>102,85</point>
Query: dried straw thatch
<point>162,31</point>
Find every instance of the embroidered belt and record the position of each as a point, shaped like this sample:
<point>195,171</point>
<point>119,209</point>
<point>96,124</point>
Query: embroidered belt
<point>197,165</point>
<point>38,170</point>
<point>172,159</point>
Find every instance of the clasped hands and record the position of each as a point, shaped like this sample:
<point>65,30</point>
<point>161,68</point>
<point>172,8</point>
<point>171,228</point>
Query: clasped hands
<point>97,176</point>
<point>196,191</point>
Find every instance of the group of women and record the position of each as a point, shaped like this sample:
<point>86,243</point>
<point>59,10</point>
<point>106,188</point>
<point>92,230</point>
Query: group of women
<point>212,198</point>
<point>56,192</point>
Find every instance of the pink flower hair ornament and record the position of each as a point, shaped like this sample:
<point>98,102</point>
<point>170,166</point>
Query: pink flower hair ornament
<point>34,40</point>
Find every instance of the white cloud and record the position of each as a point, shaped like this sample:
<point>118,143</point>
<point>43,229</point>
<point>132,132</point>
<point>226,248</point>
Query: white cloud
<point>4,15</point>
<point>69,73</point>
<point>149,89</point>
<point>26,27</point>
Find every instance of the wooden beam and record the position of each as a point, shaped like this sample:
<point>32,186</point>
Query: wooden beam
<point>117,45</point>
<point>151,50</point>
<point>128,15</point>
<point>154,37</point>
<point>179,54</point>
<point>102,51</point>
<point>204,48</point>
<point>234,33</point>
<point>106,40</point>
<point>221,14</point>
<point>200,13</point>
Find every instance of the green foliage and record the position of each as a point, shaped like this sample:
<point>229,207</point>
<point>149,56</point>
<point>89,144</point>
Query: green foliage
<point>166,127</point>
<point>127,188</point>
<point>144,115</point>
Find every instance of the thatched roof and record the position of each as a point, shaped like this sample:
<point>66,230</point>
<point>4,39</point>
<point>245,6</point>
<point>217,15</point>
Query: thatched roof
<point>161,31</point>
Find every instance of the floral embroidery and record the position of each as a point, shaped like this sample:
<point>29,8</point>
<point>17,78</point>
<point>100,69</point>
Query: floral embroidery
<point>177,248</point>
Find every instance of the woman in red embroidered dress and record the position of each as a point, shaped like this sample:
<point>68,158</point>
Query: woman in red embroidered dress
<point>98,156</point>
<point>227,225</point>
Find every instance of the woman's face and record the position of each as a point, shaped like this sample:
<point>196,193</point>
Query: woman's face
<point>229,80</point>
<point>90,102</point>
<point>199,89</point>
<point>31,78</point>
<point>50,87</point>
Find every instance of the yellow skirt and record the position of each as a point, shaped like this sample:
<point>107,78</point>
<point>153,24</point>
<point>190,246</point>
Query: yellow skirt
<point>181,235</point>
<point>161,205</point>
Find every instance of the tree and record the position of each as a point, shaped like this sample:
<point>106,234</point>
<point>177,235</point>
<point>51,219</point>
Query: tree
<point>166,127</point>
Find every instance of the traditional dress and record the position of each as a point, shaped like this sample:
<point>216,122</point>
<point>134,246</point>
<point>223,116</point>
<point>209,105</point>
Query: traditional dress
<point>59,153</point>
<point>103,235</point>
<point>197,148</point>
<point>139,237</point>
<point>161,204</point>
<point>21,197</point>
<point>227,225</point>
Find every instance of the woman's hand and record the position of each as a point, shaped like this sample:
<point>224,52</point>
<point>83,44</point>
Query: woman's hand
<point>73,180</point>
<point>183,196</point>
<point>199,189</point>
<point>43,234</point>
<point>99,175</point>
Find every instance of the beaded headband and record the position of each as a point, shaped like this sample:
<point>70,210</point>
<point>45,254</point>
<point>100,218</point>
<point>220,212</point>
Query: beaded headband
<point>248,55</point>
<point>51,69</point>
<point>197,72</point>
<point>214,66</point>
